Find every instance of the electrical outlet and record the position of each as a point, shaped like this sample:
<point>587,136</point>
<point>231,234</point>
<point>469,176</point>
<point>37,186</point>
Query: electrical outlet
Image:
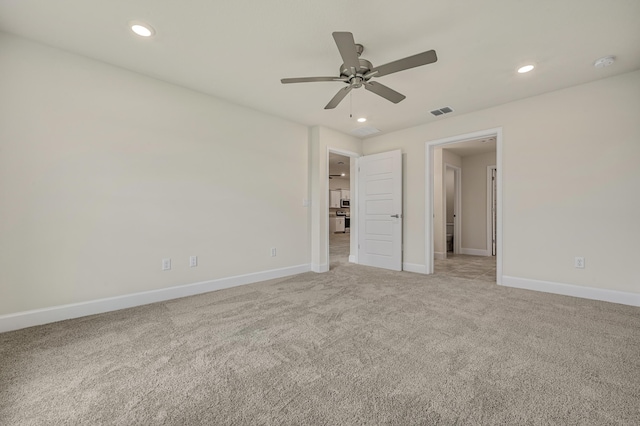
<point>579,262</point>
<point>273,252</point>
<point>193,261</point>
<point>166,264</point>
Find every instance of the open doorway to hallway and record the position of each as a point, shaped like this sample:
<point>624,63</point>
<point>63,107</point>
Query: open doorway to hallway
<point>464,190</point>
<point>339,210</point>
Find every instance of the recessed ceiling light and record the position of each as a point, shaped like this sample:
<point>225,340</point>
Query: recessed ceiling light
<point>361,120</point>
<point>142,29</point>
<point>525,68</point>
<point>342,174</point>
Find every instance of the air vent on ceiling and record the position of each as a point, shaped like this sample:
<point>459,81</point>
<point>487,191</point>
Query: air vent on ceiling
<point>365,131</point>
<point>442,111</point>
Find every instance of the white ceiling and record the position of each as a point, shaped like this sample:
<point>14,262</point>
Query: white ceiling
<point>335,168</point>
<point>239,50</point>
<point>474,147</point>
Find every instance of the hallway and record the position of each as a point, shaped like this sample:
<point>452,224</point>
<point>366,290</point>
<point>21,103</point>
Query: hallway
<point>480,268</point>
<point>339,249</point>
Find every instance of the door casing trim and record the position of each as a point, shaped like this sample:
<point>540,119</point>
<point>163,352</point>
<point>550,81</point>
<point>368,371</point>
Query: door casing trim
<point>429,191</point>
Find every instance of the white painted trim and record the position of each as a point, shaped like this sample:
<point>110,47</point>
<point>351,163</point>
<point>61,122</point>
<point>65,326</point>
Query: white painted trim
<point>475,252</point>
<point>428,208</point>
<point>320,268</point>
<point>499,240</point>
<point>440,256</point>
<point>31,318</point>
<point>353,259</point>
<point>489,190</point>
<point>414,267</point>
<point>429,147</point>
<point>613,296</point>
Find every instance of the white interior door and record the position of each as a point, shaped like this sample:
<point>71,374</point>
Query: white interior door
<point>380,210</point>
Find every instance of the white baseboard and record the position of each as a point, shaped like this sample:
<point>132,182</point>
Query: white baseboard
<point>353,259</point>
<point>439,255</point>
<point>414,267</point>
<point>320,268</point>
<point>25,319</point>
<point>475,252</point>
<point>613,296</point>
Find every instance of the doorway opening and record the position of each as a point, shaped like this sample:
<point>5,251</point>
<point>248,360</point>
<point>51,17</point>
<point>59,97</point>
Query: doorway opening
<point>453,209</point>
<point>463,230</point>
<point>339,212</point>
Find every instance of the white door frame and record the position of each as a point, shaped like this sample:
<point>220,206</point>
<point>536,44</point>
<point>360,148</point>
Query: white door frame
<point>429,191</point>
<point>457,209</point>
<point>489,208</point>
<point>353,209</point>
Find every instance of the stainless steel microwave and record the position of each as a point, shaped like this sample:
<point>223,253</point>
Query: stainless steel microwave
<point>344,203</point>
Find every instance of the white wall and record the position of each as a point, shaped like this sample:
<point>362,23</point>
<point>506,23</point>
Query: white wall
<point>440,158</point>
<point>104,172</point>
<point>569,156</point>
<point>474,200</point>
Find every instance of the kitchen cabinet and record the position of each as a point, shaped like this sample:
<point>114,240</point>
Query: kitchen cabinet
<point>336,224</point>
<point>334,198</point>
<point>345,194</point>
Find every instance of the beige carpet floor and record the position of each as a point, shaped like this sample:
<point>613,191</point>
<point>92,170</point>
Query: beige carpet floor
<point>353,346</point>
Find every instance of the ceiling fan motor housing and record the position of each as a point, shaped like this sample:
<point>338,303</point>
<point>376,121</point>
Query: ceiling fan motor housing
<point>357,78</point>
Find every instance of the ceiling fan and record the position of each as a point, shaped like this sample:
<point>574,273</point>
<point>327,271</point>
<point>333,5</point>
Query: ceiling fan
<point>357,72</point>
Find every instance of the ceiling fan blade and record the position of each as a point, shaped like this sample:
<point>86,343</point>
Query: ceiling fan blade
<point>384,91</point>
<point>338,97</point>
<point>348,51</point>
<point>420,59</point>
<point>310,79</point>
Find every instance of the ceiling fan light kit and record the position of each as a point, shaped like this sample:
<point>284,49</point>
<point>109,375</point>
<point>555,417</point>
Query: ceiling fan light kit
<point>357,72</point>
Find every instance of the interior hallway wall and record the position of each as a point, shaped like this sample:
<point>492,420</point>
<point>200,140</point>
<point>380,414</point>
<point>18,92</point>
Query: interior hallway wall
<point>568,156</point>
<point>440,158</point>
<point>451,192</point>
<point>474,202</point>
<point>105,172</point>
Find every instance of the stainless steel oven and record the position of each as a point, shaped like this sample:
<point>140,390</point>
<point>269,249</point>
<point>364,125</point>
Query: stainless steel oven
<point>347,220</point>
